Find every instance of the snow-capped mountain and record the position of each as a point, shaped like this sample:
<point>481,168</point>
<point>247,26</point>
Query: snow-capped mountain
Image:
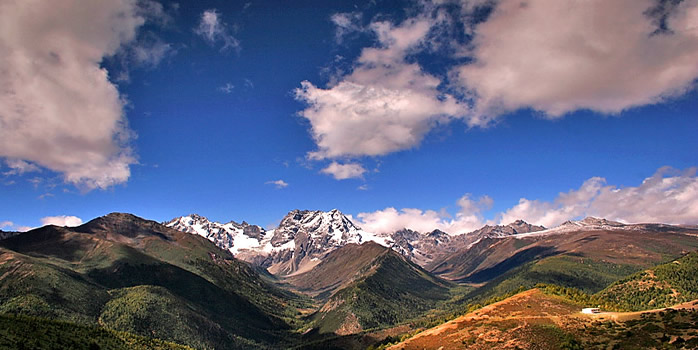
<point>303,238</point>
<point>332,228</point>
<point>299,242</point>
<point>230,236</point>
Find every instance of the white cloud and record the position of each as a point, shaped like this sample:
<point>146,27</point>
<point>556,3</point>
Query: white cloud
<point>227,88</point>
<point>344,171</point>
<point>552,56</point>
<point>19,167</point>
<point>385,105</point>
<point>150,53</point>
<point>6,224</point>
<point>389,220</point>
<point>154,12</point>
<point>23,228</point>
<point>561,56</point>
<point>278,183</point>
<point>58,109</point>
<point>346,23</point>
<point>669,196</point>
<point>212,28</point>
<point>62,220</point>
<point>567,206</point>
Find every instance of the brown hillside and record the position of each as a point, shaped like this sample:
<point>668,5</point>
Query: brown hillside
<point>337,269</point>
<point>490,258</point>
<point>508,324</point>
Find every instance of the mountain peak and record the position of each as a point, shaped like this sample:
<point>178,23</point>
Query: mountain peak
<point>124,224</point>
<point>314,223</point>
<point>521,226</point>
<point>591,221</point>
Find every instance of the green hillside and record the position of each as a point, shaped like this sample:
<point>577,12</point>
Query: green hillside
<point>661,286</point>
<point>135,275</point>
<point>587,275</point>
<point>23,332</point>
<point>389,291</point>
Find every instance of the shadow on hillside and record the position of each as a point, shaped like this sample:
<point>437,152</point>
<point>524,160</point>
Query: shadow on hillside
<point>226,308</point>
<point>518,259</point>
<point>48,241</point>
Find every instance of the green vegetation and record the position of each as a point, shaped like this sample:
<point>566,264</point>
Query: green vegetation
<point>121,281</point>
<point>155,312</point>
<point>392,290</point>
<point>662,286</point>
<point>24,332</point>
<point>391,340</point>
<point>161,283</point>
<point>550,336</point>
<point>585,274</point>
<point>671,329</point>
<point>32,287</point>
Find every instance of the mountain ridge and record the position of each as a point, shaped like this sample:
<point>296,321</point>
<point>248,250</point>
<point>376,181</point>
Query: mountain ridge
<point>303,237</point>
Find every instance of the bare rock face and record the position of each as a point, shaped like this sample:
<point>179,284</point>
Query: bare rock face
<point>309,235</point>
<point>327,227</point>
<point>253,231</point>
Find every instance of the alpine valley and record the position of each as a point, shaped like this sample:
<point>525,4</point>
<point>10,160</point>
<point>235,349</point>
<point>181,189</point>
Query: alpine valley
<point>318,281</point>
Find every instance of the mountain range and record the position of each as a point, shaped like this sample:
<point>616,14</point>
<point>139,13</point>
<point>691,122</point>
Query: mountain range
<point>318,280</point>
<point>303,237</point>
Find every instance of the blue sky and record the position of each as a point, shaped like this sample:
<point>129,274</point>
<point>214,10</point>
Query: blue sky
<point>424,114</point>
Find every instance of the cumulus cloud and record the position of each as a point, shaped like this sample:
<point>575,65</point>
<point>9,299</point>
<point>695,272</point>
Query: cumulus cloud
<point>344,171</point>
<point>277,183</point>
<point>62,220</point>
<point>668,196</point>
<point>560,56</point>
<point>551,56</point>
<point>6,224</point>
<point>384,105</point>
<point>58,109</point>
<point>212,28</point>
<point>389,220</point>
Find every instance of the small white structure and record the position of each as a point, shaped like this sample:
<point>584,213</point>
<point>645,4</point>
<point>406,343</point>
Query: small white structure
<point>591,310</point>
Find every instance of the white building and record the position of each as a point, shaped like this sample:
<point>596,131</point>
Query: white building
<point>591,310</point>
